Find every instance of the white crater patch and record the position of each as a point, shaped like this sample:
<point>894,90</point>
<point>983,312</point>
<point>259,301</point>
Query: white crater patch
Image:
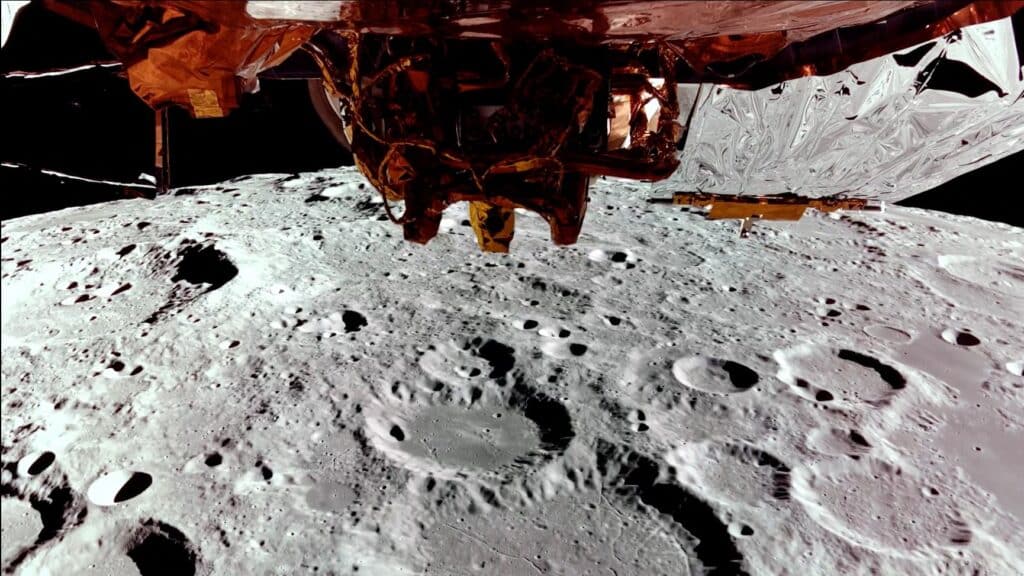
<point>960,337</point>
<point>1015,368</point>
<point>35,463</point>
<point>118,486</point>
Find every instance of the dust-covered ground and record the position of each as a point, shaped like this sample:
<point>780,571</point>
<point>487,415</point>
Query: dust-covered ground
<point>261,377</point>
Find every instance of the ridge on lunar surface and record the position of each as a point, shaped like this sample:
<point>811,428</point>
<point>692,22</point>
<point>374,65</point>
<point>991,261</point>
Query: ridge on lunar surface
<point>262,377</point>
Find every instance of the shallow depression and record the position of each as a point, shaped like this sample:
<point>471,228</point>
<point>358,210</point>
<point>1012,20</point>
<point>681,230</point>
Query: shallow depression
<point>452,437</point>
<point>883,506</point>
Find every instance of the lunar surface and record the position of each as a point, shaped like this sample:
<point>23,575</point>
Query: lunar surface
<point>262,377</point>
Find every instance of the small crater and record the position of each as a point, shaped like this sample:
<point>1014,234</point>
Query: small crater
<point>960,337</point>
<point>126,250</point>
<point>577,349</point>
<point>354,321</point>
<point>213,459</point>
<point>740,376</point>
<point>858,438</point>
<point>714,375</point>
<point>36,464</point>
<point>159,549</point>
<point>397,433</point>
<point>500,357</point>
<point>118,486</point>
<point>204,265</point>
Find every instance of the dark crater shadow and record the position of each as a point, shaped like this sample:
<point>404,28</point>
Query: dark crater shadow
<point>780,472</point>
<point>889,375</point>
<point>633,475</point>
<point>41,463</point>
<point>60,508</point>
<point>159,549</point>
<point>500,357</point>
<point>354,321</point>
<point>199,265</point>
<point>741,377</point>
<point>551,417</point>
<point>204,264</point>
<point>136,485</point>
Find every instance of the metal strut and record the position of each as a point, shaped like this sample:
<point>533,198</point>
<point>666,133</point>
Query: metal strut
<point>162,150</point>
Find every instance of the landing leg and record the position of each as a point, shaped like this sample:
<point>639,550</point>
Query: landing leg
<point>494,226</point>
<point>162,159</point>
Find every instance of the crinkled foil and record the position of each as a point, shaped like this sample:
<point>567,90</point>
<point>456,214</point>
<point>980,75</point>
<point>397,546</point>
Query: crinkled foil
<point>887,128</point>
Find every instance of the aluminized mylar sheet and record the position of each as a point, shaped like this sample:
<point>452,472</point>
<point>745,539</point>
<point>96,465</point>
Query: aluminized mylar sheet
<point>887,128</point>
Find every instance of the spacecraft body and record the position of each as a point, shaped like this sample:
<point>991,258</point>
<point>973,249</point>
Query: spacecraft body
<point>518,104</point>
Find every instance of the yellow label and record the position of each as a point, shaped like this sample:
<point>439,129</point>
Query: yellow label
<point>205,103</point>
